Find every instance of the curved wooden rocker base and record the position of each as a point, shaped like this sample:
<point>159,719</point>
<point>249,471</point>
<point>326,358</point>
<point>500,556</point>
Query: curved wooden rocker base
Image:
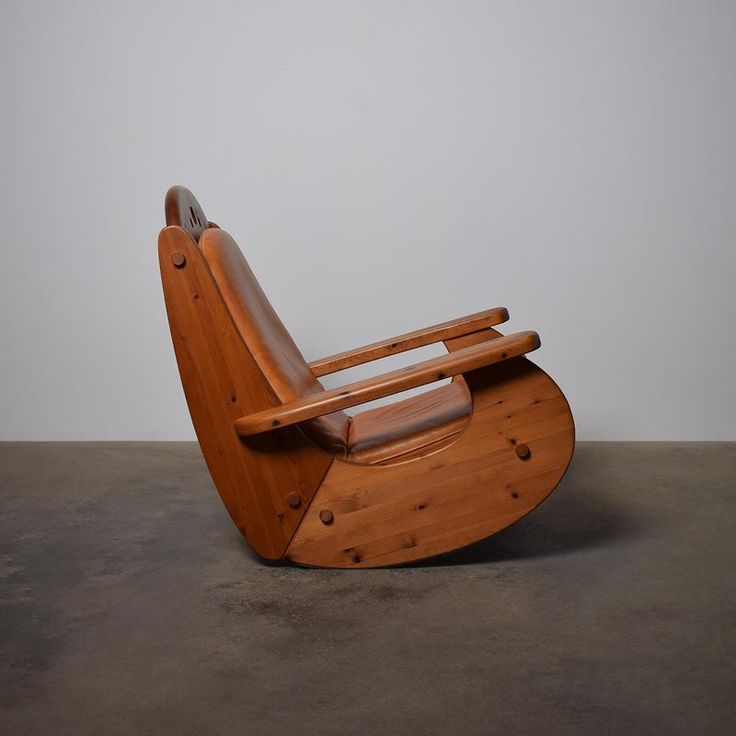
<point>283,454</point>
<point>514,451</point>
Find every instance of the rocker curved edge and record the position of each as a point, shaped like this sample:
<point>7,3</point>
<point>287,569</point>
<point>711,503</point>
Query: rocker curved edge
<point>514,452</point>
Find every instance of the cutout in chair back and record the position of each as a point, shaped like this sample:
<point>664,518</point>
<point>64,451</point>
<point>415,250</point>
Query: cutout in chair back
<point>182,209</point>
<point>272,347</point>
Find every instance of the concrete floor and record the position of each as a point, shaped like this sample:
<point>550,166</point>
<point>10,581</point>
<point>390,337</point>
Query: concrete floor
<point>130,605</point>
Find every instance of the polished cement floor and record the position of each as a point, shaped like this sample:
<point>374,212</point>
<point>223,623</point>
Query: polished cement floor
<point>129,605</point>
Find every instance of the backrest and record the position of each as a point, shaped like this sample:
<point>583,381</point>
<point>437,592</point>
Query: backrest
<point>272,347</point>
<point>264,333</point>
<point>270,344</point>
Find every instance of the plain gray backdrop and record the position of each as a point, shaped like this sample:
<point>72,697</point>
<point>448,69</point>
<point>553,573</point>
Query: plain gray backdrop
<point>384,166</point>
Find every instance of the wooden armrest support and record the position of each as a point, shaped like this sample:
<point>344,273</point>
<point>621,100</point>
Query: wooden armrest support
<point>428,371</point>
<point>409,341</point>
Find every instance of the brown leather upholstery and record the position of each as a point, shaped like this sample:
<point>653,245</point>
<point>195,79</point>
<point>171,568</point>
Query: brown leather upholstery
<point>272,347</point>
<point>374,436</point>
<point>398,430</point>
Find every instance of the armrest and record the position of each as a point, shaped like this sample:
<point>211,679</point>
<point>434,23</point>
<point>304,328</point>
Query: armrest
<point>428,371</point>
<point>409,341</point>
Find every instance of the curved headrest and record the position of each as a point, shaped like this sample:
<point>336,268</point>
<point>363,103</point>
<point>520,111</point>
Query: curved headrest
<point>182,209</point>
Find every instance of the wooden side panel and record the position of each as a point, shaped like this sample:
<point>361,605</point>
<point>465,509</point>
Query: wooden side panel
<point>387,515</point>
<point>222,382</point>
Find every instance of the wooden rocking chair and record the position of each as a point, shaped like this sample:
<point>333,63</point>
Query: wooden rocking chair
<point>305,482</point>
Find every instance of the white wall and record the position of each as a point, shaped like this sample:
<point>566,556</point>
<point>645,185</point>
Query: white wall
<point>384,165</point>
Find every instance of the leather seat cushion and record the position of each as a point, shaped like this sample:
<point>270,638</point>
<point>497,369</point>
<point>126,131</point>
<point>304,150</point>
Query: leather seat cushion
<point>330,432</point>
<point>398,431</point>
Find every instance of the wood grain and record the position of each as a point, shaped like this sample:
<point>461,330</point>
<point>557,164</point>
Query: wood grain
<point>222,381</point>
<point>388,515</point>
